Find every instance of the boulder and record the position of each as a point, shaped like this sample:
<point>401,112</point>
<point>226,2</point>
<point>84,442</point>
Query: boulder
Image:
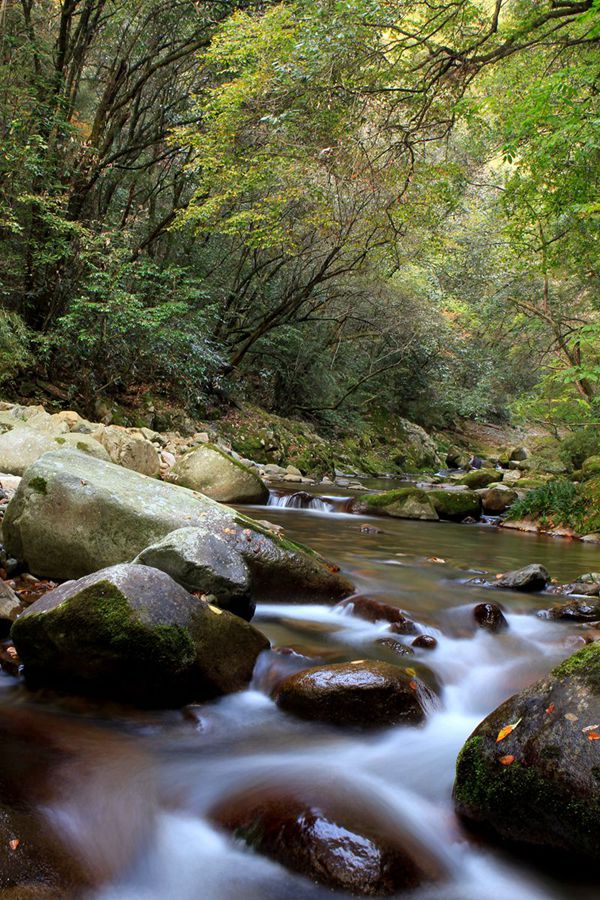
<point>574,611</point>
<point>73,514</point>
<point>457,458</point>
<point>403,503</point>
<point>455,505</point>
<point>361,693</point>
<point>20,447</point>
<point>590,467</point>
<point>496,500</point>
<point>201,561</point>
<point>529,578</point>
<point>132,634</point>
<point>210,470</point>
<point>330,834</point>
<point>519,454</point>
<point>376,611</point>
<point>129,450</point>
<point>425,642</point>
<point>52,425</point>
<point>490,617</point>
<point>85,443</point>
<point>479,478</point>
<point>10,607</point>
<point>536,782</point>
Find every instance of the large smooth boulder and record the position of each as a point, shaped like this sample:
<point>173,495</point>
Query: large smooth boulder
<point>361,693</point>
<point>206,562</point>
<point>530,578</point>
<point>133,634</point>
<point>210,470</point>
<point>73,515</point>
<point>329,834</point>
<point>455,505</point>
<point>85,443</point>
<point>536,782</point>
<point>129,450</point>
<point>496,500</point>
<point>403,503</point>
<point>479,478</point>
<point>21,446</point>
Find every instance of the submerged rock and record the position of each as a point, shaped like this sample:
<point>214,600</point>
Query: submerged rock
<point>537,783</point>
<point>490,617</point>
<point>337,838</point>
<point>131,633</point>
<point>213,472</point>
<point>376,611</point>
<point>362,693</point>
<point>574,610</point>
<point>73,515</point>
<point>529,578</point>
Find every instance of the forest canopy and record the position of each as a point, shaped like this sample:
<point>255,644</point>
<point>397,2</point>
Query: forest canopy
<point>323,207</point>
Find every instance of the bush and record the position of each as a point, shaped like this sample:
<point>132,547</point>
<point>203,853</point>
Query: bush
<point>555,503</point>
<point>15,343</point>
<point>580,445</point>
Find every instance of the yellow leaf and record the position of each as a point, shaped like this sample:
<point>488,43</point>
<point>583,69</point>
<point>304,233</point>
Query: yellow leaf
<point>508,729</point>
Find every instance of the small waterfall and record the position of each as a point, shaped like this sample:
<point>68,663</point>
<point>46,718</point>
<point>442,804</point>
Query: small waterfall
<point>300,500</point>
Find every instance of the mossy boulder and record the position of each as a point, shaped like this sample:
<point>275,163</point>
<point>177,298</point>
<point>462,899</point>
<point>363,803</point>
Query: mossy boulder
<point>403,503</point>
<point>540,784</point>
<point>363,693</point>
<point>479,478</point>
<point>131,633</point>
<point>590,467</point>
<point>85,443</point>
<point>73,514</point>
<point>455,505</point>
<point>496,500</point>
<point>215,473</point>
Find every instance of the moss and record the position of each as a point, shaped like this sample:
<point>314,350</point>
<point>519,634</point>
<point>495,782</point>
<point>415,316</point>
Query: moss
<point>585,663</point>
<point>479,478</point>
<point>230,459</point>
<point>60,440</point>
<point>278,540</point>
<point>455,504</point>
<point>39,485</point>
<point>388,498</point>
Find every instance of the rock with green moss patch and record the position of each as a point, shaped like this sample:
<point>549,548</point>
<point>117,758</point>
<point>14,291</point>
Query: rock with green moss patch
<point>540,784</point>
<point>132,634</point>
<point>403,503</point>
<point>455,505</point>
<point>590,467</point>
<point>85,443</point>
<point>215,473</point>
<point>479,478</point>
<point>73,514</point>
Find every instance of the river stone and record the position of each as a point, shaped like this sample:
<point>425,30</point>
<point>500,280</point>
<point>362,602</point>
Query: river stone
<point>479,478</point>
<point>210,470</point>
<point>529,578</point>
<point>52,425</point>
<point>335,837</point>
<point>490,617</point>
<point>85,443</point>
<point>376,611</point>
<point>496,500</point>
<point>540,784</point>
<point>10,607</point>
<point>129,450</point>
<point>131,633</point>
<point>574,611</point>
<point>403,503</point>
<point>455,505</point>
<point>362,693</point>
<point>201,561</point>
<point>21,447</point>
<point>73,514</point>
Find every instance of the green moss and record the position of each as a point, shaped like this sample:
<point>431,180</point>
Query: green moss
<point>60,440</point>
<point>455,504</point>
<point>230,459</point>
<point>38,484</point>
<point>278,540</point>
<point>479,478</point>
<point>585,663</point>
<point>388,498</point>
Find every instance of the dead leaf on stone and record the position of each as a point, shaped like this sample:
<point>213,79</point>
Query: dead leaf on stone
<point>590,728</point>
<point>14,843</point>
<point>593,736</point>
<point>508,729</point>
<point>550,709</point>
<point>506,760</point>
<point>571,717</point>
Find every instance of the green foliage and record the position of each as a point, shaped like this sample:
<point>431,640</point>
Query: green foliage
<point>578,446</point>
<point>15,346</point>
<point>556,503</point>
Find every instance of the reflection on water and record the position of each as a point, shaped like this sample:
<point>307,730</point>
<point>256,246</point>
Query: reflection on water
<point>244,740</point>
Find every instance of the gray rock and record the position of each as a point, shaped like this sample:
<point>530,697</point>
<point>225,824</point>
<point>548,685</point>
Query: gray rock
<point>132,634</point>
<point>73,515</point>
<point>129,450</point>
<point>10,607</point>
<point>21,447</point>
<point>519,454</point>
<point>85,443</point>
<point>201,561</point>
<point>529,578</point>
<point>210,470</point>
<point>497,500</point>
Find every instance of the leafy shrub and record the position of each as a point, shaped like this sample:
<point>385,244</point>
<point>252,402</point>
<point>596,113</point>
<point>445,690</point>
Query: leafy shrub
<point>15,340</point>
<point>578,446</point>
<point>555,503</point>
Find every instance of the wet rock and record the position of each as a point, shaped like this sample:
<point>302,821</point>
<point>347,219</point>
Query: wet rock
<point>574,611</point>
<point>274,666</point>
<point>215,473</point>
<point>490,617</point>
<point>201,561</point>
<point>10,607</point>
<point>457,458</point>
<point>479,478</point>
<point>336,838</point>
<point>425,642</point>
<point>497,500</point>
<point>9,659</point>
<point>393,644</point>
<point>403,503</point>
<point>79,802</point>
<point>73,515</point>
<point>362,693</point>
<point>539,783</point>
<point>455,505</point>
<point>132,634</point>
<point>376,611</point>
<point>529,578</point>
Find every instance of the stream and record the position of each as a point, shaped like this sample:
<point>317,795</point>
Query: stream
<point>243,740</point>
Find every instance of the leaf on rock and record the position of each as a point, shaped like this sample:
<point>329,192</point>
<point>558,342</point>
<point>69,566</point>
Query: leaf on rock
<point>508,729</point>
<point>506,760</point>
<point>550,709</point>
<point>14,843</point>
<point>571,717</point>
<point>593,736</point>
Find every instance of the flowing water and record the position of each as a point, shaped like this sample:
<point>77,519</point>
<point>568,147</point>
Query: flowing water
<point>244,740</point>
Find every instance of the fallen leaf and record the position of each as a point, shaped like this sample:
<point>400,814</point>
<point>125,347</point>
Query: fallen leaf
<point>413,685</point>
<point>435,559</point>
<point>593,736</point>
<point>571,717</point>
<point>506,760</point>
<point>590,728</point>
<point>411,672</point>
<point>550,709</point>
<point>504,732</point>
<point>14,843</point>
